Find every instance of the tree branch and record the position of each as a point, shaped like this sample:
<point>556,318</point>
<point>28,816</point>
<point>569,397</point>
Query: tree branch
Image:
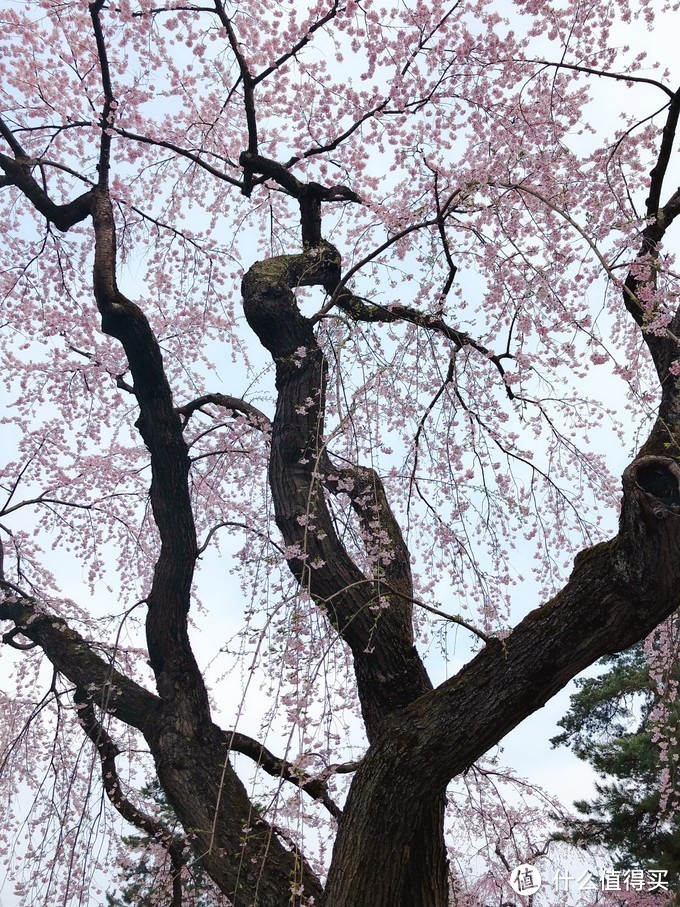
<point>193,768</point>
<point>366,492</point>
<point>237,406</point>
<point>660,168</point>
<point>663,344</point>
<point>75,658</point>
<point>309,195</point>
<point>280,768</point>
<point>388,669</point>
<point>173,844</point>
<point>182,152</point>
<point>298,46</point>
<point>18,173</point>
<point>359,310</point>
<point>604,73</point>
<point>248,91</point>
<point>160,426</point>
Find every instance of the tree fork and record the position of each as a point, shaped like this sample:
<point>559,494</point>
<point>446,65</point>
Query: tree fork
<point>617,593</point>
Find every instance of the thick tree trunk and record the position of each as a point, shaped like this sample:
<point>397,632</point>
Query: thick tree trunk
<point>235,845</point>
<point>421,738</point>
<point>617,593</point>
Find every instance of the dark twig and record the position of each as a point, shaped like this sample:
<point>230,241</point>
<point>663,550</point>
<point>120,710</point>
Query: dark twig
<point>281,768</point>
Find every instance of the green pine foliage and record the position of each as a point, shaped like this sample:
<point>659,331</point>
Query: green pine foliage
<point>147,880</point>
<point>610,725</point>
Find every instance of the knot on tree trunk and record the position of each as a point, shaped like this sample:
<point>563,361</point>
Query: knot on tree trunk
<point>659,478</point>
<point>269,301</point>
<point>650,526</point>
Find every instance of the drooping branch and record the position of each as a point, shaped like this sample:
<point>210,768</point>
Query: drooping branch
<point>662,340</point>
<point>360,310</point>
<point>173,844</point>
<point>108,752</point>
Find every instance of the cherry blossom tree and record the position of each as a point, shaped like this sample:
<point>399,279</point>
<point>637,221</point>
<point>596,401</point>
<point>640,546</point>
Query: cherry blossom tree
<point>337,292</point>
